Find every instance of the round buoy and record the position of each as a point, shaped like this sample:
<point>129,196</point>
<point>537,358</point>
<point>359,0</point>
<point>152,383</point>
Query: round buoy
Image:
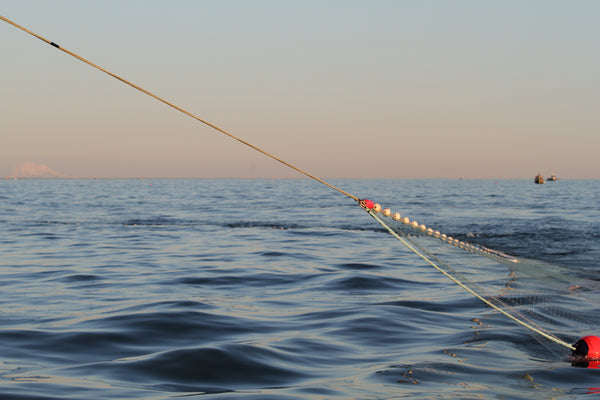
<point>587,352</point>
<point>377,207</point>
<point>588,347</point>
<point>368,203</point>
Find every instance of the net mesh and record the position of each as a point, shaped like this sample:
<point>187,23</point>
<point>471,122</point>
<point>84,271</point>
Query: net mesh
<point>499,280</point>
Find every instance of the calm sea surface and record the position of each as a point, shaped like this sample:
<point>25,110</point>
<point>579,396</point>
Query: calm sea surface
<point>285,289</point>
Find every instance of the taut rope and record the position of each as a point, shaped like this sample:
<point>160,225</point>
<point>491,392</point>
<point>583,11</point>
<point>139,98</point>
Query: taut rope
<point>223,131</point>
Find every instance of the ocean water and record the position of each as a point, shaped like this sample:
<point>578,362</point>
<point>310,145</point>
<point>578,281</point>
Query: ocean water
<point>285,289</point>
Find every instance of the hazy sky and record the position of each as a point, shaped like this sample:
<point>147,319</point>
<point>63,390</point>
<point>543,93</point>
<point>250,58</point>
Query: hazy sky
<point>342,89</point>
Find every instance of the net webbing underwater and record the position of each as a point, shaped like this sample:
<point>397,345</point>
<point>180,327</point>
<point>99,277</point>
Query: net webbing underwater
<point>450,256</point>
<point>441,251</point>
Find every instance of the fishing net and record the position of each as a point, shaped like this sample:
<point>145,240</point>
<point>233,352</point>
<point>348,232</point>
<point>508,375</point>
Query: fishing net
<point>501,281</point>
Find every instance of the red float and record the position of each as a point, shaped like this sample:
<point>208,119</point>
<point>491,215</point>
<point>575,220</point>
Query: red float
<point>587,352</point>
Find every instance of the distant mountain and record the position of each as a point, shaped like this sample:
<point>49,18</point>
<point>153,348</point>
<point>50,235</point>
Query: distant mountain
<point>33,170</point>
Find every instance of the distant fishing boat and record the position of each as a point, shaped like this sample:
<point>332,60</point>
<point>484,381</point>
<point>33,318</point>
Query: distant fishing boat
<point>552,178</point>
<point>539,179</point>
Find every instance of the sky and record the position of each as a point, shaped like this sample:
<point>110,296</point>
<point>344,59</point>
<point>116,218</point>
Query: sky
<point>339,88</point>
